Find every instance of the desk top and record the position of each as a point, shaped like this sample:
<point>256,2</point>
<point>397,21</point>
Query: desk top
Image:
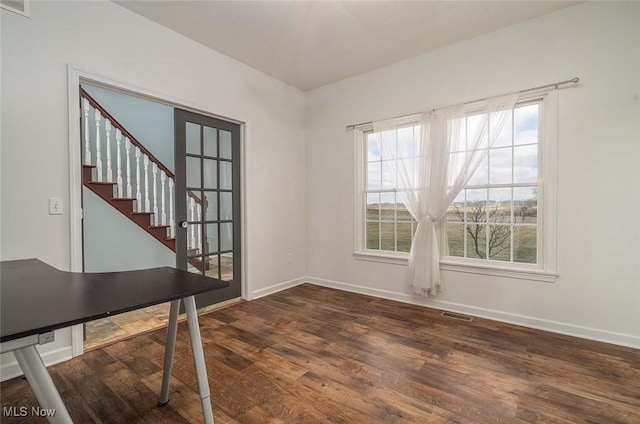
<point>36,298</point>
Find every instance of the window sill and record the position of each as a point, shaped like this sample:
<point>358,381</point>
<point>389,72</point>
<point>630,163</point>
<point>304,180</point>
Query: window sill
<point>447,265</point>
<point>382,257</point>
<point>498,271</point>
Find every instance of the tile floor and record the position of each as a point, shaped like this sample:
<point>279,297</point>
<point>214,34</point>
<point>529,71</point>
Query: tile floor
<point>119,327</point>
<point>105,331</point>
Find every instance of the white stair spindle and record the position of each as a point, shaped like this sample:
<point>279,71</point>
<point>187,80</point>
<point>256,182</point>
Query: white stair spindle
<point>192,209</point>
<point>107,130</point>
<point>147,202</point>
<point>199,230</point>
<point>138,195</point>
<point>154,169</point>
<point>119,163</point>
<point>163,178</point>
<point>127,148</point>
<point>87,145</point>
<point>172,226</point>
<point>189,245</point>
<point>98,152</point>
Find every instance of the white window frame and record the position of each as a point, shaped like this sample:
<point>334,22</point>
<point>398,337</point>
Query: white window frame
<point>546,268</point>
<point>9,5</point>
<point>361,252</point>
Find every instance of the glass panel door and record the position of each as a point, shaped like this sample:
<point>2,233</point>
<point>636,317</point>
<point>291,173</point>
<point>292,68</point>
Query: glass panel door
<point>208,201</point>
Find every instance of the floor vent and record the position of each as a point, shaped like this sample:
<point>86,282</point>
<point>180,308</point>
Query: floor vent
<point>459,317</point>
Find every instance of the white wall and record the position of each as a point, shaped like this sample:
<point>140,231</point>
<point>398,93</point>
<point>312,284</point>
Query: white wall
<point>598,291</point>
<point>115,243</point>
<point>103,39</point>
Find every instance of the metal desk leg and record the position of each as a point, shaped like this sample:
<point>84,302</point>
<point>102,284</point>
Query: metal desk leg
<point>169,349</point>
<point>42,385</point>
<point>198,358</point>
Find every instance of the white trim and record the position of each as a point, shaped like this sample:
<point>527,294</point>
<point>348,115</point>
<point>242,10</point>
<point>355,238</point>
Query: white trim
<point>386,257</point>
<point>165,99</point>
<point>75,171</point>
<point>26,12</point>
<point>518,273</point>
<point>75,194</point>
<point>355,288</point>
<point>359,169</point>
<point>605,336</point>
<point>75,77</point>
<point>550,181</point>
<point>11,369</point>
<point>245,174</point>
<point>77,340</point>
<point>256,294</point>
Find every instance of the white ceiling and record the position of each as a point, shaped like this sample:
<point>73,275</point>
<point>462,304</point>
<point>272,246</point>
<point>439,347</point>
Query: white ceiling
<point>311,43</point>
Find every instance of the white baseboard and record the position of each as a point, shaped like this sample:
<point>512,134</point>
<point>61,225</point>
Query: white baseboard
<point>11,369</point>
<point>256,294</point>
<point>621,339</point>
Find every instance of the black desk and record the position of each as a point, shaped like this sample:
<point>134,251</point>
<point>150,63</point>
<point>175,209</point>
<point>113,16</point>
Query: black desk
<point>37,299</point>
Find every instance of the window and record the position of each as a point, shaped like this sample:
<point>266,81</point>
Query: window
<point>388,224</point>
<point>502,223</point>
<point>495,217</point>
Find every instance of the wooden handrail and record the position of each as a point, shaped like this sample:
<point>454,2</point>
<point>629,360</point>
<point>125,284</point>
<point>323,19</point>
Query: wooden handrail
<point>132,139</point>
<point>126,133</point>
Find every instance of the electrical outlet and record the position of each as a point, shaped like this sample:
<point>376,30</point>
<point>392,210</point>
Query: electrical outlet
<point>46,338</point>
<point>290,258</point>
<point>55,206</point>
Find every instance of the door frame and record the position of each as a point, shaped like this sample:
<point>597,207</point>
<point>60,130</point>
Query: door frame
<point>76,77</point>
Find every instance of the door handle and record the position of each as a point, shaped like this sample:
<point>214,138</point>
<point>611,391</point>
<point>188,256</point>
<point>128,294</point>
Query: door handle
<point>183,224</point>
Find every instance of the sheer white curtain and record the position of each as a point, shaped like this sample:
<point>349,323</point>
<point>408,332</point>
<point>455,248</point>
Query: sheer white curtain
<point>447,154</point>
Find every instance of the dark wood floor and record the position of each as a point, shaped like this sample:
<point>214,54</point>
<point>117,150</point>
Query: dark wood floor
<point>316,355</point>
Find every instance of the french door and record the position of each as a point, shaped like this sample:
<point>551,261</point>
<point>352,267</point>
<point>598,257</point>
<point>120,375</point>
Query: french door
<point>208,237</point>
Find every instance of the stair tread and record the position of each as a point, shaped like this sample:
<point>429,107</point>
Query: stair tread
<point>123,198</point>
<point>88,166</point>
<point>158,226</point>
<point>141,213</point>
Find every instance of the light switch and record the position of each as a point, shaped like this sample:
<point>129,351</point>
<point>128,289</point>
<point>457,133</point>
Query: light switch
<point>55,206</point>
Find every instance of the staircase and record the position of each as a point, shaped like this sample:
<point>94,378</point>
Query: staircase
<point>135,195</point>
